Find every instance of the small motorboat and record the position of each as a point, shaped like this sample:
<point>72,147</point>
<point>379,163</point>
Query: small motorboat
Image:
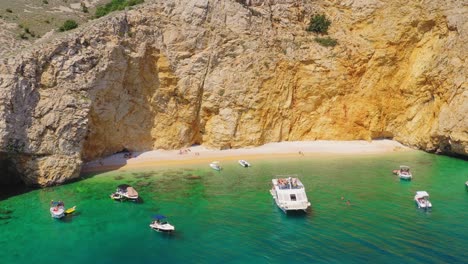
<point>404,173</point>
<point>244,163</point>
<point>466,184</point>
<point>422,200</point>
<point>160,224</point>
<point>57,209</point>
<point>215,165</point>
<point>125,192</point>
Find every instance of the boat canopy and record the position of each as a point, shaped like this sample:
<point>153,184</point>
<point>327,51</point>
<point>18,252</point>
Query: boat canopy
<point>422,194</point>
<point>57,203</point>
<point>159,217</point>
<point>131,191</point>
<point>123,187</point>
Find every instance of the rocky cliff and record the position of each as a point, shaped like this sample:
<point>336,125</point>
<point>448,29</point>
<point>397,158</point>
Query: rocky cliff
<point>228,74</point>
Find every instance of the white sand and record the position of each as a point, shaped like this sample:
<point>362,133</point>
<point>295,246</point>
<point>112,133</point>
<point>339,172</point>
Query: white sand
<point>201,154</point>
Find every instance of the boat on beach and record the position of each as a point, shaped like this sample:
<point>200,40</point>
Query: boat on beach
<point>422,200</point>
<point>215,165</point>
<point>404,173</point>
<point>289,193</point>
<point>160,224</point>
<point>244,163</point>
<point>57,209</point>
<point>125,192</point>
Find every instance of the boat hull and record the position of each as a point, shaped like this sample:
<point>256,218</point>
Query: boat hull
<point>163,228</point>
<point>424,206</point>
<point>123,197</point>
<point>215,167</point>
<point>57,213</point>
<point>290,207</point>
<point>406,177</point>
<point>244,163</point>
<point>423,203</point>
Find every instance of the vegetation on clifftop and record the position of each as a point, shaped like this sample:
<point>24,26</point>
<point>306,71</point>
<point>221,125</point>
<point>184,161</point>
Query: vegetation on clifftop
<point>115,5</point>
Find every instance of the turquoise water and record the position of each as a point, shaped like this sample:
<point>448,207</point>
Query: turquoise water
<point>230,217</point>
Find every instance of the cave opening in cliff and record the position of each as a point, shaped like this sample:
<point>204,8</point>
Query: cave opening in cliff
<point>10,180</point>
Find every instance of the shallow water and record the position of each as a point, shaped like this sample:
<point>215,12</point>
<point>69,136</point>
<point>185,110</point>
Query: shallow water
<point>230,217</point>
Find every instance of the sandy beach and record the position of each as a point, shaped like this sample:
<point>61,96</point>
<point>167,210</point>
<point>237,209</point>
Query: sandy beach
<point>201,154</point>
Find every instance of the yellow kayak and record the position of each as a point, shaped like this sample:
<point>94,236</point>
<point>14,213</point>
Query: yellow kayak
<point>70,210</point>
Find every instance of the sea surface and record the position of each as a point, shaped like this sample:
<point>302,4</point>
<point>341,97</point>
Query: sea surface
<point>230,216</point>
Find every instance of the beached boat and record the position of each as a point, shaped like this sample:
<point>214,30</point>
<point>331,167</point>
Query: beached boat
<point>160,224</point>
<point>215,165</point>
<point>125,192</point>
<point>289,193</point>
<point>404,173</point>
<point>244,163</point>
<point>57,209</point>
<point>422,200</point>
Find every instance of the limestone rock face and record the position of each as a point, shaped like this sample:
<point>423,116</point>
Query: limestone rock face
<point>229,74</point>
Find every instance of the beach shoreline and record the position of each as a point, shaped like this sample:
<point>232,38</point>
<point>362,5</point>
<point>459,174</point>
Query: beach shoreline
<point>200,154</point>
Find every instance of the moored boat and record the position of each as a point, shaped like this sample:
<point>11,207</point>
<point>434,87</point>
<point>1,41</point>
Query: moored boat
<point>57,209</point>
<point>160,224</point>
<point>244,163</point>
<point>422,200</point>
<point>215,165</point>
<point>125,192</point>
<point>289,193</point>
<point>404,173</point>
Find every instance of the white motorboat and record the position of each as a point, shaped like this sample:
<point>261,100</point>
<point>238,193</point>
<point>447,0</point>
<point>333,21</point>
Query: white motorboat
<point>57,209</point>
<point>404,173</point>
<point>160,224</point>
<point>466,184</point>
<point>215,165</point>
<point>422,200</point>
<point>289,193</point>
<point>125,192</point>
<point>244,163</point>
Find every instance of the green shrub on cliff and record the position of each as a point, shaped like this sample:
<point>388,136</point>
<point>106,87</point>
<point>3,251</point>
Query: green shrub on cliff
<point>319,23</point>
<point>115,5</point>
<point>326,42</point>
<point>68,25</point>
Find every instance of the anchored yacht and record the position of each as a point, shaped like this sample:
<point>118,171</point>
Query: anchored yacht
<point>289,193</point>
